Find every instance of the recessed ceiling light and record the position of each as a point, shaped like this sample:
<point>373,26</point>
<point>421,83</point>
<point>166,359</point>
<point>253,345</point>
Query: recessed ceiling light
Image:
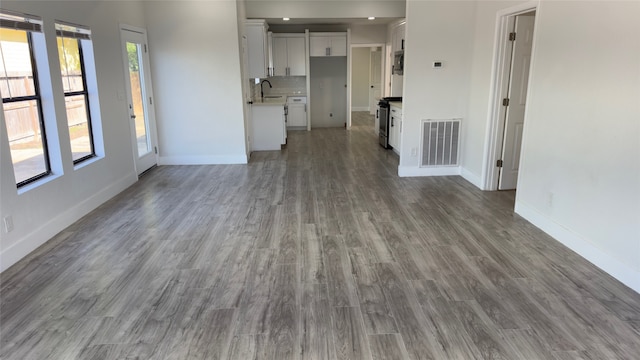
<point>371,18</point>
<point>285,19</point>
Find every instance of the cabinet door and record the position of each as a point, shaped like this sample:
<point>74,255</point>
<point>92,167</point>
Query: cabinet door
<point>257,50</point>
<point>319,45</point>
<point>338,45</point>
<point>279,51</point>
<point>297,115</point>
<point>393,122</point>
<point>296,56</point>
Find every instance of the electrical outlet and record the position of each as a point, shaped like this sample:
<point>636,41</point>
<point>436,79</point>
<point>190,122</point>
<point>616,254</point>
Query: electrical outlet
<point>414,151</point>
<point>8,224</point>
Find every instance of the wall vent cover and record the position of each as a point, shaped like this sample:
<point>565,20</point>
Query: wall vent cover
<point>440,142</point>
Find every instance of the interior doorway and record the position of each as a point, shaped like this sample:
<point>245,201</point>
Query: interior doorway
<point>375,78</point>
<point>514,48</point>
<point>521,38</point>
<point>139,97</point>
<point>366,77</point>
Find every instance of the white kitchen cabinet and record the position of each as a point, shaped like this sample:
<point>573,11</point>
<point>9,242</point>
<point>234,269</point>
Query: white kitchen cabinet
<point>257,48</point>
<point>297,115</point>
<point>395,128</point>
<point>397,37</point>
<point>288,55</point>
<point>328,44</point>
<point>268,129</point>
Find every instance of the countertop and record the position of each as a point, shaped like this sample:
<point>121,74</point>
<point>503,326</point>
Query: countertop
<point>397,104</point>
<point>271,100</point>
<point>281,101</point>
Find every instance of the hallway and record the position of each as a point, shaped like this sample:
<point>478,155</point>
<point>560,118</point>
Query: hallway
<point>318,251</point>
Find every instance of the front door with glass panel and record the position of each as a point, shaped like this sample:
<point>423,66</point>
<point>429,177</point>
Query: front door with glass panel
<point>139,97</point>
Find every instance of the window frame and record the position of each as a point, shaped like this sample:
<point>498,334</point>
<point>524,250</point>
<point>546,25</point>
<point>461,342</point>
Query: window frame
<point>38,99</point>
<point>85,94</point>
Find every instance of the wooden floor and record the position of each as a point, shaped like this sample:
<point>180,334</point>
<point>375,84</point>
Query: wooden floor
<point>316,252</point>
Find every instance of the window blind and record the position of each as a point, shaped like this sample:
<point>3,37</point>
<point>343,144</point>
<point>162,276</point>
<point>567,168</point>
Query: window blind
<point>74,31</point>
<point>17,21</point>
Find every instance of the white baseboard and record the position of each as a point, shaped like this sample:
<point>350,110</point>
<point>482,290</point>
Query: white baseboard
<point>359,108</point>
<point>471,177</point>
<point>203,160</point>
<point>44,233</point>
<point>624,273</point>
<point>410,171</point>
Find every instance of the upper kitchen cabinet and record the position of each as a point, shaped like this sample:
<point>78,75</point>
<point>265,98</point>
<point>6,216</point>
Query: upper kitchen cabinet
<point>288,55</point>
<point>257,48</point>
<point>397,37</point>
<point>328,44</point>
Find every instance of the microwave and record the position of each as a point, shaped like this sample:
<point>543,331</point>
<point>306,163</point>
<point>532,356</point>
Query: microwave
<point>398,62</point>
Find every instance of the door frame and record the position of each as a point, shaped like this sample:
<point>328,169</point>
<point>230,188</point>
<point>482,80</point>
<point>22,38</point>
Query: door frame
<point>498,90</point>
<point>373,106</point>
<point>151,113</point>
<point>382,65</point>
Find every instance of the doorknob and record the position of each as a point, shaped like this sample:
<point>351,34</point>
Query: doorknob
<point>133,116</point>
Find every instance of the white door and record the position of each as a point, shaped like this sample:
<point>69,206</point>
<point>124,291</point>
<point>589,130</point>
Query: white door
<point>139,97</point>
<point>517,95</point>
<point>375,79</point>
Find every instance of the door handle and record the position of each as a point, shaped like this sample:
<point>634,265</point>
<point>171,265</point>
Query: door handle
<point>133,116</point>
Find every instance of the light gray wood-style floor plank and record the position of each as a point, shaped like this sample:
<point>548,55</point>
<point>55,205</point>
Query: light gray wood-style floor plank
<point>349,336</point>
<point>319,251</point>
<point>387,347</point>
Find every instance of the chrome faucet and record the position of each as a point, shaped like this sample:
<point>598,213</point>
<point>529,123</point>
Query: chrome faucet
<point>262,90</point>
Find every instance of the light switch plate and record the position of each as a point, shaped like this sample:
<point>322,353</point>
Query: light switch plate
<point>8,224</point>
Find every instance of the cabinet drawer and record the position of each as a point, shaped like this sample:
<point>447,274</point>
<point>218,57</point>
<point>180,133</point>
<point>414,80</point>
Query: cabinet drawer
<point>296,100</point>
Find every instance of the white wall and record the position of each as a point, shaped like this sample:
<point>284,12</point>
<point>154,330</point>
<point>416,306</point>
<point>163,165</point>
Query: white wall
<point>360,69</point>
<point>328,96</point>
<point>41,212</point>
<point>580,169</point>
<point>443,31</point>
<point>194,52</point>
<point>368,34</point>
<point>580,175</point>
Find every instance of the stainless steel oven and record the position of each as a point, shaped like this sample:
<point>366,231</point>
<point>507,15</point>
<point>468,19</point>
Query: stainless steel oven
<point>383,114</point>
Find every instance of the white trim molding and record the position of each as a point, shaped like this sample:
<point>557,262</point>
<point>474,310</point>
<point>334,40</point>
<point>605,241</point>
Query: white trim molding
<point>203,160</point>
<point>414,171</point>
<point>583,247</point>
<point>471,177</point>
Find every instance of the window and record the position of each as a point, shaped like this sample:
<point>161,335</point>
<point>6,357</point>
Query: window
<point>21,102</point>
<point>70,39</point>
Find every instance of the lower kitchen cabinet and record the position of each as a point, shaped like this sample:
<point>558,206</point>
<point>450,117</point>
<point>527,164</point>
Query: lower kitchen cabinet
<point>268,129</point>
<point>395,128</point>
<point>297,114</point>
